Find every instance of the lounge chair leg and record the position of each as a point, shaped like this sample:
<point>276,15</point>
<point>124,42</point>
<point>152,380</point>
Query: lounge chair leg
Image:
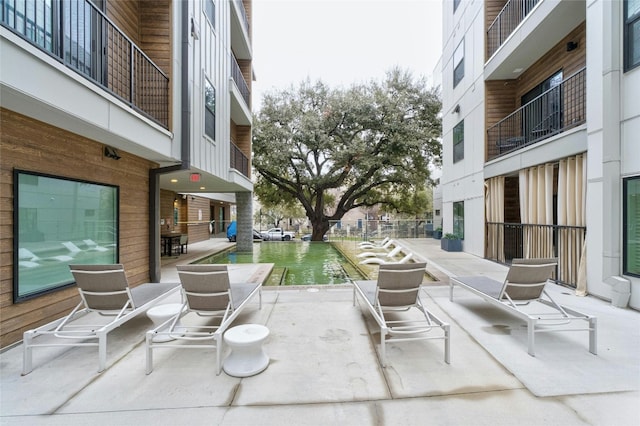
<point>149,342</point>
<point>383,350</point>
<point>450,290</point>
<point>218,338</point>
<point>102,351</point>
<point>447,344</point>
<point>27,353</point>
<point>531,330</point>
<point>593,336</point>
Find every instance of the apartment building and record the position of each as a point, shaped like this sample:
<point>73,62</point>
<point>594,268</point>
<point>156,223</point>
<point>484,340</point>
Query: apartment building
<point>541,120</point>
<point>119,121</point>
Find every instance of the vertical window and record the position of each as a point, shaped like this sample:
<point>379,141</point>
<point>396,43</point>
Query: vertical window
<point>209,109</point>
<point>458,219</point>
<point>458,142</point>
<point>631,226</point>
<point>458,64</point>
<point>210,11</point>
<point>60,222</point>
<point>631,34</point>
<point>456,3</point>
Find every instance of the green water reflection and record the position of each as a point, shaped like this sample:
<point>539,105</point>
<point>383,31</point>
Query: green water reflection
<point>296,263</point>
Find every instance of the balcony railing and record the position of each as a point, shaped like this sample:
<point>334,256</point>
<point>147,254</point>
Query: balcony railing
<point>84,39</point>
<point>241,83</point>
<point>555,111</point>
<point>243,12</point>
<point>239,161</point>
<point>506,22</point>
<point>507,241</point>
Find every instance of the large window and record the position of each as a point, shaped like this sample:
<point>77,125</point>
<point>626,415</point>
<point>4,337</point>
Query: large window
<point>458,219</point>
<point>631,226</point>
<point>210,11</point>
<point>631,34</point>
<point>456,3</point>
<point>209,109</point>
<point>458,64</point>
<point>59,222</point>
<point>458,142</point>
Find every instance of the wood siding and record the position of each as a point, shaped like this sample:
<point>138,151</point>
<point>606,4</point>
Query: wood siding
<point>32,145</point>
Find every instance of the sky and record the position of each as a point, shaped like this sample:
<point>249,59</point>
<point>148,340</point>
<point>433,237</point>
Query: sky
<point>342,42</point>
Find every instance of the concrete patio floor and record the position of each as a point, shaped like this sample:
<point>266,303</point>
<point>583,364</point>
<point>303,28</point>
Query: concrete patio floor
<point>324,366</point>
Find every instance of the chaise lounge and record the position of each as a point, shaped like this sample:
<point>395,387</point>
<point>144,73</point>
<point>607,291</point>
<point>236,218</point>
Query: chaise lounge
<point>105,293</point>
<point>207,292</point>
<point>524,285</point>
<point>396,290</point>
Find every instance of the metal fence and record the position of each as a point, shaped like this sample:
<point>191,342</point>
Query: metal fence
<point>506,22</point>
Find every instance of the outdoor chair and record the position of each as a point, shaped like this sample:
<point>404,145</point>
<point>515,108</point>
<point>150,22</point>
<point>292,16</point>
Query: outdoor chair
<point>525,285</point>
<point>397,249</point>
<point>383,245</point>
<point>207,292</point>
<point>380,261</point>
<point>105,293</point>
<point>398,290</point>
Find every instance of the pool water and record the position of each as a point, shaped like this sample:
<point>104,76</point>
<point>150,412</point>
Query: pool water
<point>296,263</point>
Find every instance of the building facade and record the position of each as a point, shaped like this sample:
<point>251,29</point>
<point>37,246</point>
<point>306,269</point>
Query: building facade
<point>118,122</point>
<point>540,145</point>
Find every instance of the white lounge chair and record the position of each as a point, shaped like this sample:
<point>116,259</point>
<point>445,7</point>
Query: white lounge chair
<point>380,261</point>
<point>104,290</point>
<point>73,249</point>
<point>383,245</point>
<point>92,245</point>
<point>27,255</point>
<point>207,292</point>
<point>524,285</point>
<point>398,289</point>
<point>397,249</point>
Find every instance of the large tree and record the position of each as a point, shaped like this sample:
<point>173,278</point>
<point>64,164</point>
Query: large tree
<point>337,150</point>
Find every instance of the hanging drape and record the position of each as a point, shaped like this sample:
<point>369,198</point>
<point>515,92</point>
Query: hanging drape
<point>536,210</point>
<point>572,186</point>
<point>494,212</point>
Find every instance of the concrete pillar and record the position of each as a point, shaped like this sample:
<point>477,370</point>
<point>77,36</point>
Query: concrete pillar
<point>244,211</point>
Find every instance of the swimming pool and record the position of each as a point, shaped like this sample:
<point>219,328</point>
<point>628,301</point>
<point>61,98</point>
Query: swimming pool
<point>295,263</point>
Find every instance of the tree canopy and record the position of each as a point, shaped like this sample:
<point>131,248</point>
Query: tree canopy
<point>334,150</point>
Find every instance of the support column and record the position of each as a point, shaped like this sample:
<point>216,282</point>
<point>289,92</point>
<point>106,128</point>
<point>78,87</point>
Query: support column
<point>244,221</point>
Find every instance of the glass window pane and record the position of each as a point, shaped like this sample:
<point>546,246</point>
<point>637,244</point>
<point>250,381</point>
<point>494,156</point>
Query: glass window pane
<point>458,219</point>
<point>61,222</point>
<point>633,7</point>
<point>458,142</point>
<point>632,226</point>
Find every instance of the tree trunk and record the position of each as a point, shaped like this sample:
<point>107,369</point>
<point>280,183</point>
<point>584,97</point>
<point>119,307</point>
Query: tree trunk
<point>319,228</point>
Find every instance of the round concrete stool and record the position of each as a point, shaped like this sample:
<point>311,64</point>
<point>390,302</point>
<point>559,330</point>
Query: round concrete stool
<point>162,313</point>
<point>247,357</point>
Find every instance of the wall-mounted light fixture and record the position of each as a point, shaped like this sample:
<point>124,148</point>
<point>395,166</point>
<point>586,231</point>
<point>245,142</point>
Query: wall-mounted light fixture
<point>175,202</point>
<point>572,45</point>
<point>456,110</point>
<point>111,152</point>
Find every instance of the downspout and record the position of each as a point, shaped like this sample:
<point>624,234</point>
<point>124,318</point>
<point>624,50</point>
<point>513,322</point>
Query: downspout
<point>185,150</point>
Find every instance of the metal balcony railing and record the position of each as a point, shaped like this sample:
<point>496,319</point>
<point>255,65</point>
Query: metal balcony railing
<point>239,161</point>
<point>79,35</point>
<point>554,111</point>
<point>508,241</point>
<point>506,22</point>
<point>241,83</point>
<point>243,12</point>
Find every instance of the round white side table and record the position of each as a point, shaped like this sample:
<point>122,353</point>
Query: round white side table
<point>247,356</point>
<point>161,313</point>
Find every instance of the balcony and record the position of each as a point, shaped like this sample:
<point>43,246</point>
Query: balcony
<point>239,160</point>
<point>240,30</point>
<point>81,37</point>
<point>558,109</point>
<point>511,15</point>
<point>241,83</point>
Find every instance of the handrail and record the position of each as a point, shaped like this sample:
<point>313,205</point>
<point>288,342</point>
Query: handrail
<point>511,15</point>
<point>239,160</point>
<point>83,38</point>
<point>241,83</point>
<point>556,110</point>
<point>243,12</point>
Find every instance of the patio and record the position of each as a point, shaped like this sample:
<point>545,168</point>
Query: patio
<point>324,366</point>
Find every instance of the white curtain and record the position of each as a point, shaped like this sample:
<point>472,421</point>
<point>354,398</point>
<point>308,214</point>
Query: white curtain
<point>536,208</point>
<point>572,186</point>
<point>494,212</point>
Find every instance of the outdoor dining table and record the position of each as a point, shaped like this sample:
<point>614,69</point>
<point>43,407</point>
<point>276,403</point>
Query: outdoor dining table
<point>167,241</point>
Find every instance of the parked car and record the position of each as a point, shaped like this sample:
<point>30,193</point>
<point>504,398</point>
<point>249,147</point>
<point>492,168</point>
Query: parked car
<point>307,237</point>
<point>232,232</point>
<point>277,234</point>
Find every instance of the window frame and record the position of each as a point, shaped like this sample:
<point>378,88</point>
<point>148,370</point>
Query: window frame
<point>628,23</point>
<point>459,142</point>
<point>457,219</point>
<point>625,226</point>
<point>36,206</point>
<point>207,110</point>
<point>459,65</point>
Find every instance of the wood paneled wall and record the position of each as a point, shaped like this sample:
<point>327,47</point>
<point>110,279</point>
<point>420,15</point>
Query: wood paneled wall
<point>35,146</point>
